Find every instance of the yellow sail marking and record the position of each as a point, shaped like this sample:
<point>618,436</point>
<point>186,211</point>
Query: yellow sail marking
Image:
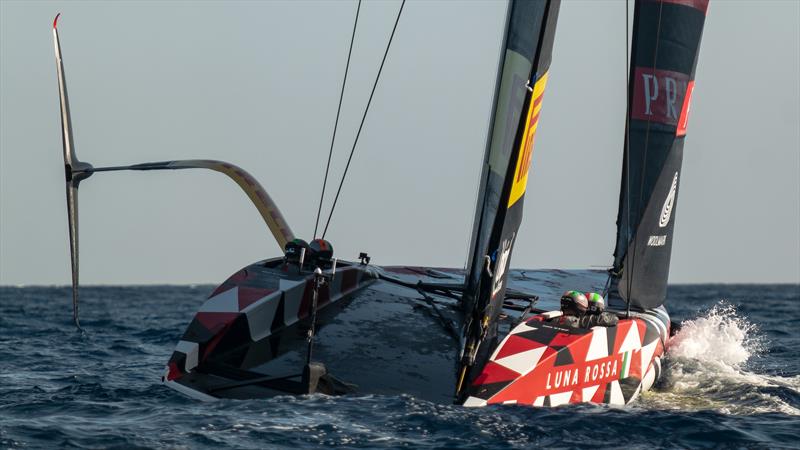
<point>520,181</point>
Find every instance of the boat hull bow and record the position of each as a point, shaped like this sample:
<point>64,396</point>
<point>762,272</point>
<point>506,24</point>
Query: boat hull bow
<point>542,363</point>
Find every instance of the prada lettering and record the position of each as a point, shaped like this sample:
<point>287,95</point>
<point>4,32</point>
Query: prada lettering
<point>658,95</point>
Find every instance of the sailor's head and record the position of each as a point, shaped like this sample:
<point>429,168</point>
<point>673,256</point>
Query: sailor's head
<point>574,303</point>
<point>596,303</point>
<point>321,252</point>
<point>293,250</point>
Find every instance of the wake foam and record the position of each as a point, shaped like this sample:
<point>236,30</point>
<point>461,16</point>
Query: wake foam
<point>719,338</point>
<point>709,365</point>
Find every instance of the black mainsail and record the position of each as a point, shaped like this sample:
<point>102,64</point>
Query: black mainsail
<point>666,44</point>
<point>522,76</point>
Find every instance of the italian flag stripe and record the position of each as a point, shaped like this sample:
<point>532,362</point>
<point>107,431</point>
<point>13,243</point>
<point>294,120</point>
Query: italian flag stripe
<point>625,365</point>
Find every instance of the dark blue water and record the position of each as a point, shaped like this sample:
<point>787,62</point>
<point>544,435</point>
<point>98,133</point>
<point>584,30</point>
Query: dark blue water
<point>732,380</point>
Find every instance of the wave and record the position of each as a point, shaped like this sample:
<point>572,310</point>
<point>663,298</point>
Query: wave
<point>712,364</point>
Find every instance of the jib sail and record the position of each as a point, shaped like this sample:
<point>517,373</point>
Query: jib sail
<point>666,43</point>
<point>521,81</point>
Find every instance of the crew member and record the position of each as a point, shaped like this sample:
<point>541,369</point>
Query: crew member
<point>573,307</point>
<point>597,311</point>
<point>294,251</point>
<point>581,312</point>
<point>321,253</point>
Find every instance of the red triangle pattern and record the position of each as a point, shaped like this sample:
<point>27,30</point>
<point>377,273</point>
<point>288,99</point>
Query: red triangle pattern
<point>623,327</point>
<point>349,280</point>
<point>549,351</point>
<point>238,277</point>
<point>250,295</point>
<point>305,301</point>
<point>231,282</point>
<point>174,371</point>
<point>564,339</point>
<point>212,344</point>
<point>215,321</point>
<point>495,373</point>
<point>516,344</point>
<point>600,394</point>
<point>636,364</point>
<point>324,295</point>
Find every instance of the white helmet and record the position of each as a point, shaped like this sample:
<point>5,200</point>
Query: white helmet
<point>597,303</point>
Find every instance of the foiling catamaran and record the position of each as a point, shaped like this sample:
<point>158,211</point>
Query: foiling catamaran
<point>482,335</point>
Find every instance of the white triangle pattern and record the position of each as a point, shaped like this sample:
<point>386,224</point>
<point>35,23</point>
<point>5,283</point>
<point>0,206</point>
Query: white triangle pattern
<point>523,362</point>
<point>654,322</point>
<point>293,295</point>
<point>521,328</point>
<point>632,340</point>
<point>227,301</point>
<point>647,354</point>
<point>635,393</point>
<point>598,348</point>
<point>588,392</point>
<point>562,398</point>
<point>258,304</point>
<point>261,315</point>
<point>473,402</point>
<point>649,378</point>
<point>616,397</point>
<point>190,349</point>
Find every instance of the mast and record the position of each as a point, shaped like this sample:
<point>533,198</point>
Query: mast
<point>666,44</point>
<point>522,76</point>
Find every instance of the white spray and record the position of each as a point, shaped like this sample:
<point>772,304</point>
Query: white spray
<point>707,368</point>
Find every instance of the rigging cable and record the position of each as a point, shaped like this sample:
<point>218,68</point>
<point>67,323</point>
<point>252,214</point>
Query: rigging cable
<point>617,271</point>
<point>627,146</point>
<point>336,123</point>
<point>363,118</point>
<point>644,160</point>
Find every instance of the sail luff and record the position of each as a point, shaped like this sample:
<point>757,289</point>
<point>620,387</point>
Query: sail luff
<point>481,195</point>
<point>623,220</point>
<point>666,41</point>
<point>529,38</point>
<point>507,120</point>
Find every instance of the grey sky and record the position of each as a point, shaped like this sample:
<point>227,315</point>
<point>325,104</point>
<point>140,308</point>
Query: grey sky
<point>256,84</point>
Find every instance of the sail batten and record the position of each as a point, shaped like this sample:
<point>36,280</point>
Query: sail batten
<point>666,43</point>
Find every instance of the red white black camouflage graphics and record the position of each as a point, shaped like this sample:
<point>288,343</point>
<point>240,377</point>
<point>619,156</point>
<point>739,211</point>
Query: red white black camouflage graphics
<point>247,321</point>
<point>541,363</point>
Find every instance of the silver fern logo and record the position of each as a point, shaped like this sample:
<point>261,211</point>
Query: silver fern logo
<point>666,210</point>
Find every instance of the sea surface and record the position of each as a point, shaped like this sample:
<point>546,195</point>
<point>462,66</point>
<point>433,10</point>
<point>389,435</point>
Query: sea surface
<point>732,380</point>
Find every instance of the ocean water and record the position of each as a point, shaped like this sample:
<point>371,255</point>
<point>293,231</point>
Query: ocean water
<point>732,380</point>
